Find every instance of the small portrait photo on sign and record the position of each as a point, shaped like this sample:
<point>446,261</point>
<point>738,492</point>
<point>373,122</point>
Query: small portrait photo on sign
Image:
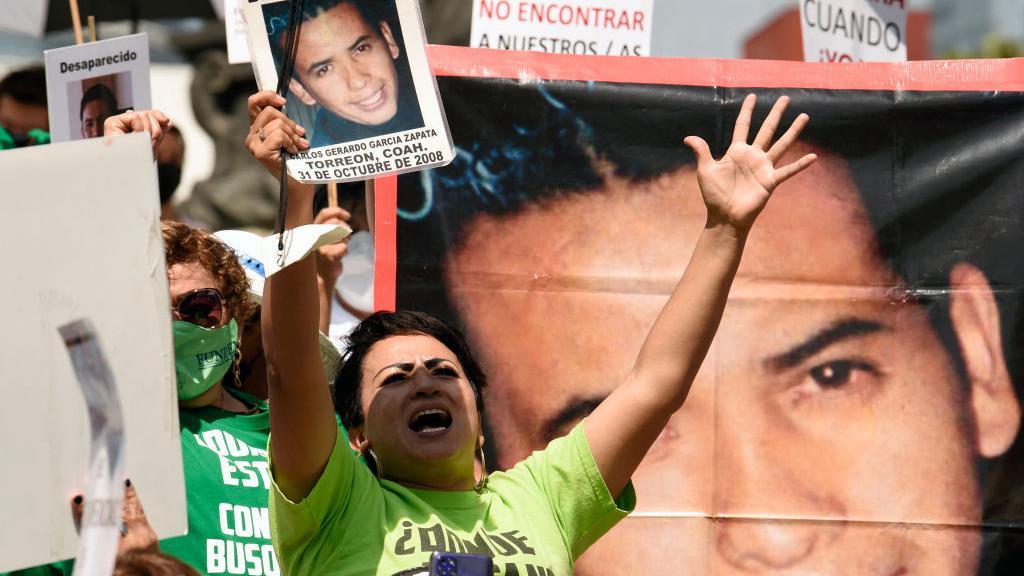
<point>92,100</point>
<point>351,73</point>
<point>359,84</point>
<point>88,83</point>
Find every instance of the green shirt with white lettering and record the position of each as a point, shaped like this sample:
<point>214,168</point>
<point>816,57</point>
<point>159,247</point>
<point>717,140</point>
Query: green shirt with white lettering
<point>534,519</point>
<point>226,486</point>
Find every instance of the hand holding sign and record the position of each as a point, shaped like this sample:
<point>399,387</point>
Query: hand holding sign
<point>270,131</point>
<point>136,533</point>
<point>737,187</point>
<point>153,121</point>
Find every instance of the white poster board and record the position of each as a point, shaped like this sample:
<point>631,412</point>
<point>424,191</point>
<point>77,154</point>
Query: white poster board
<point>362,87</point>
<point>854,30</point>
<point>89,82</point>
<point>83,240</point>
<point>594,27</point>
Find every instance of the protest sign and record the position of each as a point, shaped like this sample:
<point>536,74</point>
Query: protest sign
<point>234,30</point>
<point>91,248</point>
<point>830,413</point>
<point>854,30</point>
<point>593,27</point>
<point>87,83</point>
<point>361,86</point>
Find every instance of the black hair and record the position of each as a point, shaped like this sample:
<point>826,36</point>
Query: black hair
<point>275,17</point>
<point>348,383</point>
<point>101,93</point>
<point>26,86</point>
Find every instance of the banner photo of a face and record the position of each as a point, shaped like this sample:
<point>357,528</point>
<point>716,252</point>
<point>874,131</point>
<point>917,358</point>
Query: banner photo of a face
<point>360,85</point>
<point>859,411</point>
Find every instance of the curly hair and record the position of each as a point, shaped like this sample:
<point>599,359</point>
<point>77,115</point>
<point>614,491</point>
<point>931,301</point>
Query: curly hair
<point>185,245</point>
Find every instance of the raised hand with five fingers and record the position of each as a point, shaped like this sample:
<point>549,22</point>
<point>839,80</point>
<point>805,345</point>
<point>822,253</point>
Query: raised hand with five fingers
<point>737,187</point>
<point>735,190</point>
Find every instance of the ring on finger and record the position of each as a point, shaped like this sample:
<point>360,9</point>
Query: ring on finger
<point>262,136</point>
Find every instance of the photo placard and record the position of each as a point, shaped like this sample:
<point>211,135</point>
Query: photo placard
<point>361,86</point>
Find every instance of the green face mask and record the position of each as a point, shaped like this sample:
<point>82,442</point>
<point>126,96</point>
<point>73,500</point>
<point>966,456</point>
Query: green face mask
<point>202,356</point>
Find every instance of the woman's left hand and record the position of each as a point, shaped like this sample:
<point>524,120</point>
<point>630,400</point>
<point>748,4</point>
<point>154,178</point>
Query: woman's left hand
<point>737,187</point>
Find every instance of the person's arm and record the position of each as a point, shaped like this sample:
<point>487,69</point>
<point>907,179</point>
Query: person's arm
<point>302,425</point>
<point>736,188</point>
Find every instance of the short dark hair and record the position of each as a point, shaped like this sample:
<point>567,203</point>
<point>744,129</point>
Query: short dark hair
<point>26,86</point>
<point>98,92</point>
<point>348,384</point>
<point>276,18</point>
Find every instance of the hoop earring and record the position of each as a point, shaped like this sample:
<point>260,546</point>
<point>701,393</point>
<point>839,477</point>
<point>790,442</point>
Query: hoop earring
<point>375,466</point>
<point>481,484</point>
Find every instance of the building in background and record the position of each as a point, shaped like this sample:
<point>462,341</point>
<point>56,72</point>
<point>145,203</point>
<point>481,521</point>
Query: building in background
<point>962,27</point>
<point>780,39</point>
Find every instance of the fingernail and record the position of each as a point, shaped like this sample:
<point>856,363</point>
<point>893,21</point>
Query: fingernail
<point>127,483</point>
<point>77,499</point>
<point>304,142</point>
<point>301,129</point>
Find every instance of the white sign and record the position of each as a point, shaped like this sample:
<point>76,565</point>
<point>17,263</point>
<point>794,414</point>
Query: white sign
<point>234,29</point>
<point>361,86</point>
<point>90,247</point>
<point>854,30</point>
<point>87,83</point>
<point>595,27</point>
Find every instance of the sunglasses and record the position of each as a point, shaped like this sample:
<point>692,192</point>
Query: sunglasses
<point>202,307</point>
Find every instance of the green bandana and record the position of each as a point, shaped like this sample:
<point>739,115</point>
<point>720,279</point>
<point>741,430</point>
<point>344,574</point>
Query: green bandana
<point>202,356</point>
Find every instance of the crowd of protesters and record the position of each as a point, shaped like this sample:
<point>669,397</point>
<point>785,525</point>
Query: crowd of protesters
<point>384,433</point>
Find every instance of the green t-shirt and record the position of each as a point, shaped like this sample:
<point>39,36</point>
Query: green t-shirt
<point>534,519</point>
<point>226,486</point>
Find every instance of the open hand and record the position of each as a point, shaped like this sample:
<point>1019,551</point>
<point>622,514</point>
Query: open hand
<point>737,187</point>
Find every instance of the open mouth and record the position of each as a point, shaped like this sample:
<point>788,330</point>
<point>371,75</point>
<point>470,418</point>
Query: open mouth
<point>430,421</point>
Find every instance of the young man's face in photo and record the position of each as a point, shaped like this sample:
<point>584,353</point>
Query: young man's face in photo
<point>94,114</point>
<point>347,65</point>
<point>827,410</point>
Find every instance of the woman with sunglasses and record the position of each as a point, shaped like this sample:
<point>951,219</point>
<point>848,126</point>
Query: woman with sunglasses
<point>224,431</point>
<point>410,391</point>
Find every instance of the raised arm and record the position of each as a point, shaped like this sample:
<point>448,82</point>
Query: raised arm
<point>735,189</point>
<point>302,425</point>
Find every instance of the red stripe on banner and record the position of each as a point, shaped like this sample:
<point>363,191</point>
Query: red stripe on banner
<point>385,238</point>
<point>1005,75</point>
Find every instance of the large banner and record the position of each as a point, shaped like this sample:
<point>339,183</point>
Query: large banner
<point>859,412</point>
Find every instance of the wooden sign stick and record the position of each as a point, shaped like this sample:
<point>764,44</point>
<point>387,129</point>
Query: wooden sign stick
<point>76,21</point>
<point>332,194</point>
<point>92,28</point>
